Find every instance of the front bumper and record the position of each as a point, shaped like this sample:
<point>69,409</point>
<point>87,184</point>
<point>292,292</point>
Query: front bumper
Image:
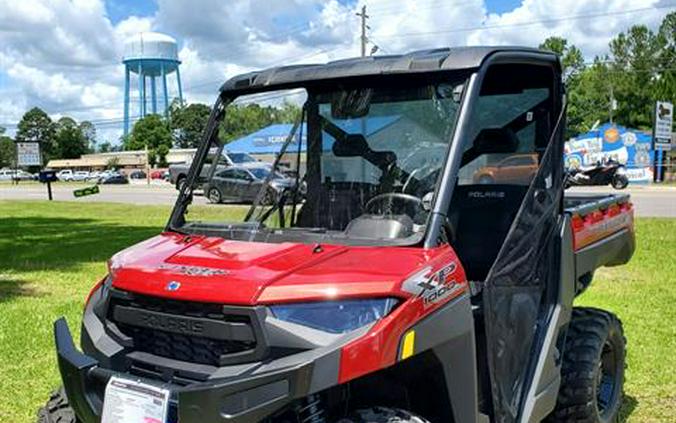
<point>250,397</point>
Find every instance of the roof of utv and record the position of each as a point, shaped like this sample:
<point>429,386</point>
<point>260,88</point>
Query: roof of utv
<point>442,59</point>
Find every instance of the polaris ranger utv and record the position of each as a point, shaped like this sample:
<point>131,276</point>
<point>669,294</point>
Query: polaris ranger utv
<point>399,288</point>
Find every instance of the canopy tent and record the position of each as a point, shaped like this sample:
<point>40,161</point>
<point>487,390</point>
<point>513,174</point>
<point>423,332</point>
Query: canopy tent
<point>630,147</point>
<point>269,140</point>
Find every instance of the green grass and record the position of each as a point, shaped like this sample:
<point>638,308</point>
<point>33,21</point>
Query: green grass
<point>643,295</point>
<point>52,253</point>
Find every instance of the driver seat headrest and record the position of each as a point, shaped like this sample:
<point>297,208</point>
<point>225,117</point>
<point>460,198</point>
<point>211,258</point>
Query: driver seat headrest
<point>496,140</point>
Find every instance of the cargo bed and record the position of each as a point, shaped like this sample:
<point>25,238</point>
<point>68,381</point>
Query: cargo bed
<point>603,233</point>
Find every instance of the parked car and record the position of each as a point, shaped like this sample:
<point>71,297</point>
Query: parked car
<point>179,171</point>
<point>80,176</point>
<point>240,184</point>
<point>6,174</point>
<point>137,174</point>
<point>65,175</point>
<point>113,178</point>
<point>15,175</point>
<point>515,169</point>
<point>157,174</point>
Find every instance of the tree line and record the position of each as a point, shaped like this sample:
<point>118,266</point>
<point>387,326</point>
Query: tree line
<point>621,86</point>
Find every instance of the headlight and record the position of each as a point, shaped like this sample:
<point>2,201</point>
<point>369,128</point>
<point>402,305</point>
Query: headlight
<point>335,316</point>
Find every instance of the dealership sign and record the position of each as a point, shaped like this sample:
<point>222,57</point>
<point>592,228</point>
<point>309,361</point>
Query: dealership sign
<point>28,154</point>
<point>664,119</point>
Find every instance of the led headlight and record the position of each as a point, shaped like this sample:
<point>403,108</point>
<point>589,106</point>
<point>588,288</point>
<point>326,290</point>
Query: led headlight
<point>335,316</point>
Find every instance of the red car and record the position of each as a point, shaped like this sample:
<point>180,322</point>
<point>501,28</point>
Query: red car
<point>383,294</point>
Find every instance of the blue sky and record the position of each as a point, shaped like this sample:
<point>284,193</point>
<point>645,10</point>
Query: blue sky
<point>119,10</point>
<point>64,56</point>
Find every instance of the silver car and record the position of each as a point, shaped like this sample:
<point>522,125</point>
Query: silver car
<point>241,185</point>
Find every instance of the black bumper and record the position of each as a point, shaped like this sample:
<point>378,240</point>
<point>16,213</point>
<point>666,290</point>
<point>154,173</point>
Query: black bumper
<point>244,399</point>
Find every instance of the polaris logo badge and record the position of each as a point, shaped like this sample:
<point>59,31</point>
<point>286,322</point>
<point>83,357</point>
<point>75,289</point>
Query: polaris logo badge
<point>170,323</point>
<point>487,194</point>
<point>173,286</point>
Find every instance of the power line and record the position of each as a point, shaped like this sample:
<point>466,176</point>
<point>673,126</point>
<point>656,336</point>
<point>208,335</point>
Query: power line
<point>528,23</point>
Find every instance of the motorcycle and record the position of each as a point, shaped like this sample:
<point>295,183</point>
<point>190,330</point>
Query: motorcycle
<point>610,173</point>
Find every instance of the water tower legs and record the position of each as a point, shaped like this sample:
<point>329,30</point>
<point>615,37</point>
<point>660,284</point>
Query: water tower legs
<point>180,90</point>
<point>126,101</point>
<point>153,89</point>
<point>166,93</point>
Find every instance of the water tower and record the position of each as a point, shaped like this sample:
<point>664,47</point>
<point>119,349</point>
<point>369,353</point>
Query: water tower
<point>150,56</point>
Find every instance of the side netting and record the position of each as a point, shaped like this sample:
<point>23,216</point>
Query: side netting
<point>514,294</point>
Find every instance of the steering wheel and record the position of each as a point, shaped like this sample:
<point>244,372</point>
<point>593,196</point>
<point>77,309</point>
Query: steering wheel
<point>394,195</point>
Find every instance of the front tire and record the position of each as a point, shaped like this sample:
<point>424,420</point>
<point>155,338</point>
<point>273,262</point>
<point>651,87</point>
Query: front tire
<point>383,415</point>
<point>214,195</point>
<point>592,372</point>
<point>57,409</point>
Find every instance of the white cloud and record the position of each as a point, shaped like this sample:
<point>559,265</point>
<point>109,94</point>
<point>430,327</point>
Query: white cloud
<point>65,55</point>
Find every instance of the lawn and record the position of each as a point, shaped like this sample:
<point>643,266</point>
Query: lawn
<point>52,253</point>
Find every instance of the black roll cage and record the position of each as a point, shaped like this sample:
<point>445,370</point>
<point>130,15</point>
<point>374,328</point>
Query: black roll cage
<point>437,227</point>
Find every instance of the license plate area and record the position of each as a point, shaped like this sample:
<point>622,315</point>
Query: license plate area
<point>130,401</point>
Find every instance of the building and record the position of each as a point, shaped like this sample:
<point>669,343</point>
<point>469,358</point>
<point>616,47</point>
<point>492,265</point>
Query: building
<point>629,147</point>
<point>123,160</point>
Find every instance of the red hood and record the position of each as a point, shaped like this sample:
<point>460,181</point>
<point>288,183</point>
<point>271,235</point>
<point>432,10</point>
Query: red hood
<point>212,269</point>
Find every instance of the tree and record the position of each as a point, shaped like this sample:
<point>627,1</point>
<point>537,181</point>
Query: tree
<point>37,126</point>
<point>571,56</point>
<point>572,66</point>
<point>71,143</point>
<point>151,132</point>
<point>89,132</point>
<point>113,163</point>
<point>633,75</point>
<point>188,123</point>
<point>241,120</point>
<point>7,150</point>
<point>104,147</point>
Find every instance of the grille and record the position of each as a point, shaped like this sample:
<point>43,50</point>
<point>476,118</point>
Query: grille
<point>178,346</point>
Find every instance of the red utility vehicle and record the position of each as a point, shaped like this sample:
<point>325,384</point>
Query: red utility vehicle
<point>396,289</point>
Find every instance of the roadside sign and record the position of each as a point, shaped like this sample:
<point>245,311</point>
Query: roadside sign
<point>664,119</point>
<point>28,154</point>
<point>86,191</point>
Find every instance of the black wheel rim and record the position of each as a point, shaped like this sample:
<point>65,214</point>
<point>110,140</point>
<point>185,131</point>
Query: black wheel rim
<point>214,195</point>
<point>607,383</point>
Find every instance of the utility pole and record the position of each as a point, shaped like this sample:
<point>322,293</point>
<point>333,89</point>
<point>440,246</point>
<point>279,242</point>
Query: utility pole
<point>364,27</point>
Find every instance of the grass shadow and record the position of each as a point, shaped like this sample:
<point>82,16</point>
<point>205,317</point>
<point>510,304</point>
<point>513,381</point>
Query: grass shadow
<point>12,288</point>
<point>629,404</point>
<point>46,243</point>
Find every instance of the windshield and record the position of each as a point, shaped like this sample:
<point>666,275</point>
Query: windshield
<point>350,165</point>
<point>239,158</point>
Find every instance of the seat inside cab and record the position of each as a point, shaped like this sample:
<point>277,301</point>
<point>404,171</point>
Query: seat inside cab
<point>499,162</point>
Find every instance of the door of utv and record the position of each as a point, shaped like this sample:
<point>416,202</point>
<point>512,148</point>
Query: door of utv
<point>518,112</point>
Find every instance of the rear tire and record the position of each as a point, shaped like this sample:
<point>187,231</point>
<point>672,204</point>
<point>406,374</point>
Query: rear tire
<point>592,372</point>
<point>57,409</point>
<point>180,182</point>
<point>383,415</point>
<point>620,182</point>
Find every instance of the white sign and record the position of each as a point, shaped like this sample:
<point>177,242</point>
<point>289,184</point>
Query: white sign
<point>128,401</point>
<point>28,154</point>
<point>664,119</point>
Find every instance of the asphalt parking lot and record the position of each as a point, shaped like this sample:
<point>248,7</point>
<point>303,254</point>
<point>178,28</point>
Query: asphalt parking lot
<point>649,201</point>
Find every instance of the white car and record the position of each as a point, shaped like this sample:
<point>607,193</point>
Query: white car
<point>65,175</point>
<point>81,175</point>
<point>15,175</point>
<point>7,174</point>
